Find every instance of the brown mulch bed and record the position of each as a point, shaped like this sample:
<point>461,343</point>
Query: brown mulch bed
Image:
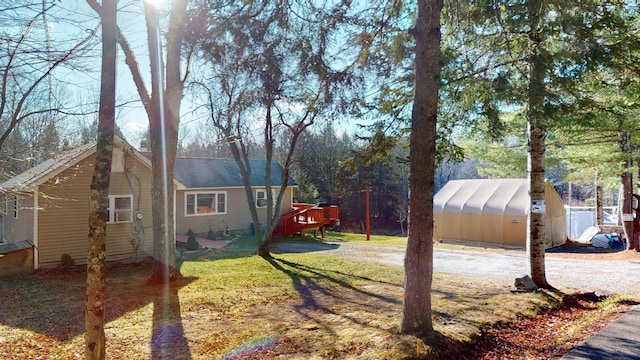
<point>550,334</point>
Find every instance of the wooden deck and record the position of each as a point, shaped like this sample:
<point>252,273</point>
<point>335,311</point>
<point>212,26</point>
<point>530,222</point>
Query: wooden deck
<point>307,217</point>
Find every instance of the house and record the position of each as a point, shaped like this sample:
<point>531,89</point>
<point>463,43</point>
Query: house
<point>47,207</point>
<point>210,195</point>
<point>44,211</point>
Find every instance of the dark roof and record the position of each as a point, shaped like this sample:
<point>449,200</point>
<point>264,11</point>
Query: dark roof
<point>216,173</point>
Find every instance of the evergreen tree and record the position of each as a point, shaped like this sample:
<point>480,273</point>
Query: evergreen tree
<point>418,262</point>
<point>529,59</point>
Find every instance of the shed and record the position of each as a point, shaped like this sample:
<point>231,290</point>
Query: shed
<point>495,211</point>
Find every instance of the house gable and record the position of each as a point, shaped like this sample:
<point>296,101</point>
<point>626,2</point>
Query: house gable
<point>49,169</point>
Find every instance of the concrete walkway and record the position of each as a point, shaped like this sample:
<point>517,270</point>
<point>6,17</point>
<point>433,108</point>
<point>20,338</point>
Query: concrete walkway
<point>205,243</point>
<point>620,341</point>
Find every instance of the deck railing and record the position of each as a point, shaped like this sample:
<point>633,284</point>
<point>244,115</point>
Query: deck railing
<point>305,217</point>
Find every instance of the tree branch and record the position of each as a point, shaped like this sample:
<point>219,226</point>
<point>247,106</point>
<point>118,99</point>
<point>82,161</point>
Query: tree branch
<point>15,117</point>
<point>130,60</point>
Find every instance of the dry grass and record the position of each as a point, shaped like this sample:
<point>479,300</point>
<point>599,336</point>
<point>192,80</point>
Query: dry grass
<point>232,305</point>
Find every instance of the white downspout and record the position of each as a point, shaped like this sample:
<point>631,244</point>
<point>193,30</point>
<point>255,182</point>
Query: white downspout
<point>175,229</point>
<point>36,253</point>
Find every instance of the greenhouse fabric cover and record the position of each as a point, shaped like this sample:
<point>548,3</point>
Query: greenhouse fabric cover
<point>495,211</point>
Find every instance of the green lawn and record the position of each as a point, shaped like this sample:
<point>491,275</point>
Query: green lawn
<point>232,304</point>
<point>374,239</point>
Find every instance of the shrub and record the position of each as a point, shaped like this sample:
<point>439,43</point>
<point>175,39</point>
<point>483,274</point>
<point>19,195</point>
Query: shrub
<point>211,235</point>
<point>192,243</point>
<point>66,260</point>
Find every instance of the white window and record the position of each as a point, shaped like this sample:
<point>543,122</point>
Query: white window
<point>205,203</point>
<point>120,208</point>
<point>261,197</point>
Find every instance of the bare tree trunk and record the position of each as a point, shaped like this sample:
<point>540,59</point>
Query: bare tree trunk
<point>624,141</point>
<point>537,132</point>
<point>164,269</point>
<point>264,249</point>
<point>242,159</point>
<point>164,120</point>
<point>418,261</point>
<point>98,215</point>
<point>163,111</point>
<point>273,211</point>
<point>265,245</point>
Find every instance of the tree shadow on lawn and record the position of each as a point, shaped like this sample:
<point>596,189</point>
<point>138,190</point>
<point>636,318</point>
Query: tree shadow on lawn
<point>53,303</point>
<point>318,300</point>
<point>168,340</point>
<point>248,246</point>
<point>311,292</point>
<point>300,245</point>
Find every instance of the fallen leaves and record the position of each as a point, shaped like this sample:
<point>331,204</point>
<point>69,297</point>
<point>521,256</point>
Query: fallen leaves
<point>551,333</point>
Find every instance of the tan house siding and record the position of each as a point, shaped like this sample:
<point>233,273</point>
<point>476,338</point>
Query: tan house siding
<point>236,218</point>
<point>134,180</point>
<point>65,208</point>
<point>63,218</point>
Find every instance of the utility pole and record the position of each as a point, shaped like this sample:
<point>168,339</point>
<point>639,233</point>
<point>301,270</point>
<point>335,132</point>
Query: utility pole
<point>368,217</point>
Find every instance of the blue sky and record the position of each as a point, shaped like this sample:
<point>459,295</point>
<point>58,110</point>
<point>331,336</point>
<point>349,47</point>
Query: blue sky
<point>84,85</point>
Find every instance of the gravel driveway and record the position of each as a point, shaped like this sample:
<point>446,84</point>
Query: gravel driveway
<point>584,274</point>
